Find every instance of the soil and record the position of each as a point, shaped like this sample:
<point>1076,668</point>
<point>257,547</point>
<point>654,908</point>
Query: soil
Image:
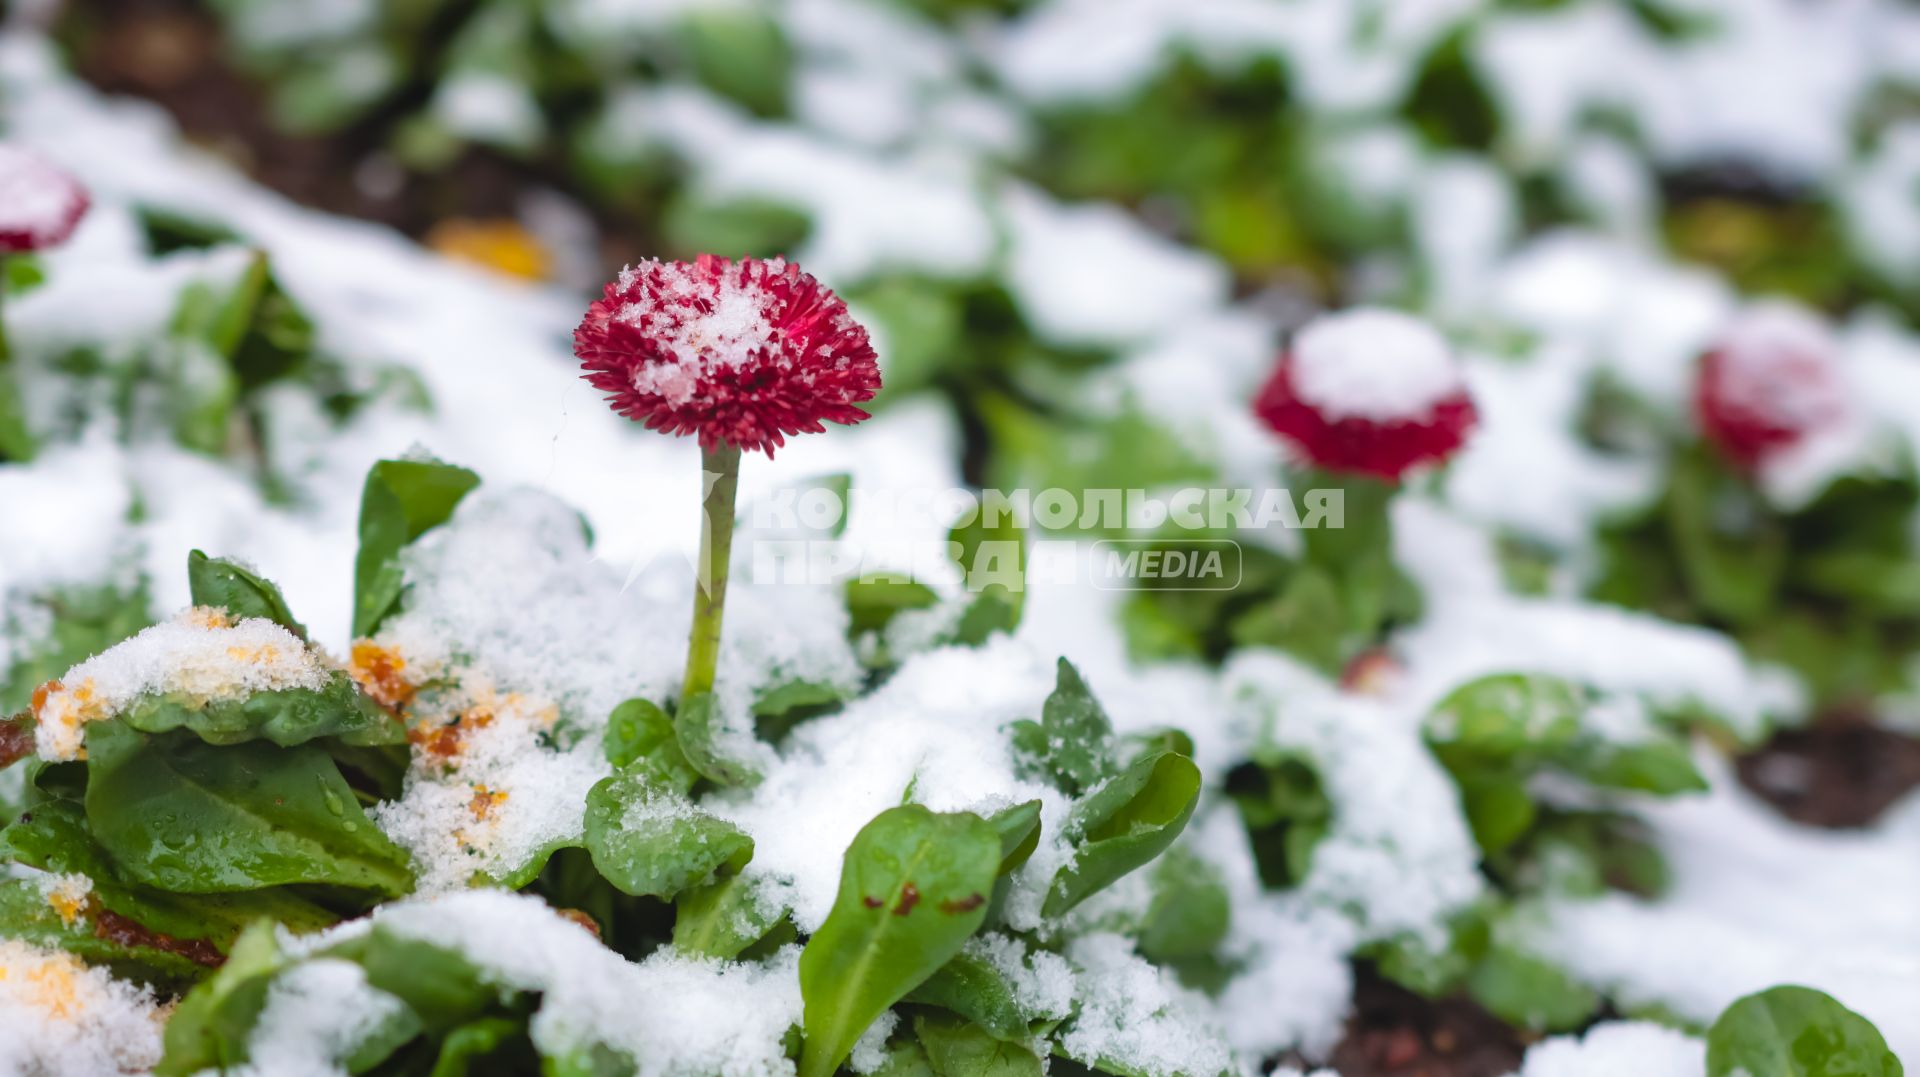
<point>1396,1033</point>
<point>1841,772</point>
<point>171,52</point>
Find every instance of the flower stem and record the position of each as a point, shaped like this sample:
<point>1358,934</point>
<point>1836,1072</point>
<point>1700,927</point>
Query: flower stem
<point>720,470</point>
<point>16,441</point>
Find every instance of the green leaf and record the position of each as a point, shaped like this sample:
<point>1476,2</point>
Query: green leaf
<point>1661,767</point>
<point>790,696</point>
<point>740,54</point>
<point>722,918</point>
<point>287,717</point>
<point>639,732</point>
<point>239,591</point>
<point>529,869</point>
<point>873,601</point>
<point>697,724</point>
<point>921,323</point>
<point>402,500</point>
<point>1499,809</point>
<point>21,273</point>
<point>1019,830</point>
<point>1123,824</point>
<point>1530,992</point>
<point>210,1027</point>
<point>905,1058</point>
<point>958,1049</point>
<point>476,1047</point>
<point>695,222</point>
<point>1495,733</point>
<point>599,1060</point>
<point>17,443</point>
<point>1190,911</point>
<point>1734,573</point>
<point>79,621</point>
<point>1079,738</point>
<point>25,915</point>
<point>1298,621</point>
<point>53,837</point>
<point>439,985</point>
<point>177,813</point>
<point>1796,1032</point>
<point>1286,809</point>
<point>913,888</point>
<point>647,839</point>
<point>199,387</point>
<point>993,561</point>
<point>974,989</point>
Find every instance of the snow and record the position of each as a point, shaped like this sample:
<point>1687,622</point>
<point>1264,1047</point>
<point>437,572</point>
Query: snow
<point>315,1015</point>
<point>870,1050</point>
<point>1881,214</point>
<point>64,1019</point>
<point>37,201</point>
<point>1398,859</point>
<point>503,795</point>
<point>1136,1016</point>
<point>659,1010</point>
<point>934,728</point>
<point>1042,981</point>
<point>733,326</point>
<point>1668,664</point>
<point>511,619</point>
<point>510,615</point>
<point>1641,1048</point>
<point>1375,364</point>
<point>488,108</point>
<point>67,894</point>
<point>75,539</point>
<point>200,656</point>
<point>1093,276</point>
<point>1755,901</point>
<point>1527,411</point>
<point>1079,50</point>
<point>1775,352</point>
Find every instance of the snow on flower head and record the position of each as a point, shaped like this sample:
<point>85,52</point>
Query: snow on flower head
<point>1369,391</point>
<point>742,352</point>
<point>1770,381</point>
<point>39,204</point>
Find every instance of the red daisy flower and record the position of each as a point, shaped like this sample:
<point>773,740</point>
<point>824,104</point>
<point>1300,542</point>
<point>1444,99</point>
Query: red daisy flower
<point>1771,380</point>
<point>1368,391</point>
<point>39,204</point>
<point>742,353</point>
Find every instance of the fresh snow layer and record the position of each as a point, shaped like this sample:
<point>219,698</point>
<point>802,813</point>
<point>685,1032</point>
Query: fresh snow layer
<point>200,656</point>
<point>315,1015</point>
<point>527,624</point>
<point>1092,275</point>
<point>1615,1049</point>
<point>1375,364</point>
<point>37,200</point>
<point>1398,858</point>
<point>660,1011</point>
<point>525,643</point>
<point>63,1019</point>
<point>1136,1016</point>
<point>934,728</point>
<point>695,340</point>
<point>1757,901</point>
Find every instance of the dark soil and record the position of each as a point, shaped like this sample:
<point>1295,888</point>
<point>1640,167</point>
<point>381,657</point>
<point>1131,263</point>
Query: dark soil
<point>1396,1033</point>
<point>1841,772</point>
<point>171,52</point>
